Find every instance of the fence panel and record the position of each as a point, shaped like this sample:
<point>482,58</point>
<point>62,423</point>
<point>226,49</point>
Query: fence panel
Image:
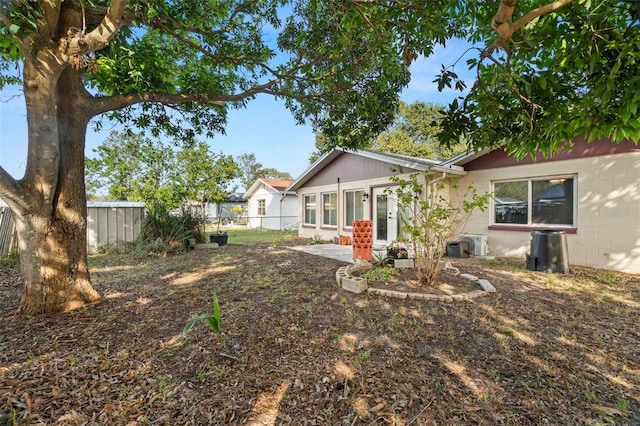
<point>8,240</point>
<point>113,222</point>
<point>106,223</point>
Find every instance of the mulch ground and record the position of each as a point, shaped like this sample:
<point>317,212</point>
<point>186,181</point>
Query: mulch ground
<point>297,350</point>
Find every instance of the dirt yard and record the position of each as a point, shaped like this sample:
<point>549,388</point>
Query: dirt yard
<point>298,350</point>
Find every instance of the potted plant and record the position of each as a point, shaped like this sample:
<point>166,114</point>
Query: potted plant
<point>397,251</point>
<point>221,238</point>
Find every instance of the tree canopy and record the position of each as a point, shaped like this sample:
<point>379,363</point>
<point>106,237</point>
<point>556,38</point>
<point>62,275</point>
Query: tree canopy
<point>546,73</point>
<point>132,167</point>
<point>251,170</point>
<point>415,132</point>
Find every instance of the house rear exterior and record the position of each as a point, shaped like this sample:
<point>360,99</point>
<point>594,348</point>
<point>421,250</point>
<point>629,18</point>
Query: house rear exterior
<point>344,186</point>
<point>591,193</point>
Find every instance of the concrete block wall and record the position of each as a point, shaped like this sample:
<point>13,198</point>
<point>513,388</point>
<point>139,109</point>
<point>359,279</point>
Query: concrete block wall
<point>608,210</point>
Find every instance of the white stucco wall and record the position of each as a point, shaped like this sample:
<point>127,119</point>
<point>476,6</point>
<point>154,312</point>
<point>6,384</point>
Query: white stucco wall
<point>608,210</point>
<point>281,212</point>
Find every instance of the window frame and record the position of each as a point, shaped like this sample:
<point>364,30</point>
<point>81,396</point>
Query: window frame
<point>262,207</point>
<point>530,224</point>
<point>357,195</point>
<point>305,203</point>
<point>334,210</point>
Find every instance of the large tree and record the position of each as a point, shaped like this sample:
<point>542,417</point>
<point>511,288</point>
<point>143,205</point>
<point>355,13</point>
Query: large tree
<point>252,169</point>
<point>546,73</point>
<point>173,68</point>
<point>415,132</point>
<point>131,167</point>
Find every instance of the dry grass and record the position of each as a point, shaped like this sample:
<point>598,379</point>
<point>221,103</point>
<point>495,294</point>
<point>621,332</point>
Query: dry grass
<point>544,349</point>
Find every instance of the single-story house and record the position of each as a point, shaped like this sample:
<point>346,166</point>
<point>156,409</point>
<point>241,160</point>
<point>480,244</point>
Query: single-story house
<point>232,210</point>
<point>592,193</point>
<point>271,205</point>
<point>343,186</point>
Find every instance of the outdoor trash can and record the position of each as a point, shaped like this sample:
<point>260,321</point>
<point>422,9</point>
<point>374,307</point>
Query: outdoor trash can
<point>548,252</point>
<point>458,249</point>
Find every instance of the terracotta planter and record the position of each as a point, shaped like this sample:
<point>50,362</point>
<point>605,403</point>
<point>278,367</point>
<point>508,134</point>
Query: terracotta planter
<point>362,241</point>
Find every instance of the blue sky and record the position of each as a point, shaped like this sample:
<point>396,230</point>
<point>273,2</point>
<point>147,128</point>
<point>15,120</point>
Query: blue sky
<point>265,127</point>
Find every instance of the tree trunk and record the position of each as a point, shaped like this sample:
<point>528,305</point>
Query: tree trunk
<point>51,221</point>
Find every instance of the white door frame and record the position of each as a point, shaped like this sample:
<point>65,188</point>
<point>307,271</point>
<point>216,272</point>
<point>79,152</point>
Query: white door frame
<point>385,205</point>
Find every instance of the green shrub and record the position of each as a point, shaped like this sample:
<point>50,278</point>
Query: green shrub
<point>164,231</point>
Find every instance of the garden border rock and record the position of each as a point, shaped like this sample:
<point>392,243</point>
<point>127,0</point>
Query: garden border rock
<point>346,279</point>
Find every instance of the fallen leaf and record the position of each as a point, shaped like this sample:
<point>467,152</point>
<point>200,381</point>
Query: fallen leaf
<point>608,410</point>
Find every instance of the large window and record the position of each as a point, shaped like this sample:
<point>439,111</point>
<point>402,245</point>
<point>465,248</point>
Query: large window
<point>330,209</point>
<point>310,209</point>
<point>353,207</point>
<point>262,207</point>
<point>547,201</point>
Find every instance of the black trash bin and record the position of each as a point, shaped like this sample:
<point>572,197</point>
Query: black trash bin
<point>548,252</point>
<point>458,249</point>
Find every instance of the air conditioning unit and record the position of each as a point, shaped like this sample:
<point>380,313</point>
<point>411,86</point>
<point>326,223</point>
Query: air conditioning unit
<point>477,244</point>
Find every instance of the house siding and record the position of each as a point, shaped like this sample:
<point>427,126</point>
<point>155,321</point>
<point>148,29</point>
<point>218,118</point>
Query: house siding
<point>349,167</point>
<point>280,213</point>
<point>607,233</point>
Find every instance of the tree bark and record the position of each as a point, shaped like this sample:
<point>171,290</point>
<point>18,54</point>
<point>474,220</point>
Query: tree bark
<point>51,221</point>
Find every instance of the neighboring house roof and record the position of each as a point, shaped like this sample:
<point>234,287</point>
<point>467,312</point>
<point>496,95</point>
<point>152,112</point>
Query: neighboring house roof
<point>414,163</point>
<point>278,185</point>
<point>235,198</point>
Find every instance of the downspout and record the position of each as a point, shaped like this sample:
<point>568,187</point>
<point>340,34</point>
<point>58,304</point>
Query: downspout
<point>284,194</point>
<point>338,208</point>
<point>431,182</point>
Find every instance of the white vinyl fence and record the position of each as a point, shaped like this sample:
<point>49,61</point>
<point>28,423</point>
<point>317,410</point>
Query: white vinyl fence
<point>107,222</point>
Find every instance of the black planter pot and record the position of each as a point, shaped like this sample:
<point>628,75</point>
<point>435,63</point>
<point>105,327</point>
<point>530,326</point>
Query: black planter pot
<point>397,253</point>
<point>221,239</point>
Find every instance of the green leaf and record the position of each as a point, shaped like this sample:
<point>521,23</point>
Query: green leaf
<point>13,29</point>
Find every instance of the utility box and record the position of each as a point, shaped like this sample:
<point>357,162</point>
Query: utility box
<point>458,249</point>
<point>548,252</point>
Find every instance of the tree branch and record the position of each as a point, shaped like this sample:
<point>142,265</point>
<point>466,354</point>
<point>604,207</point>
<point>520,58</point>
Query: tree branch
<point>113,20</point>
<point>537,12</point>
<point>5,20</point>
<point>110,103</point>
<point>502,24</point>
<point>51,15</point>
<point>9,190</point>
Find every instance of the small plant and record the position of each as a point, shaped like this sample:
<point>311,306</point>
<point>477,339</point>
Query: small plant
<point>213,319</point>
<point>379,274</point>
<point>589,395</point>
<point>316,239</point>
<point>380,260</point>
<point>11,258</point>
<point>432,214</point>
<point>623,405</point>
<point>608,278</point>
